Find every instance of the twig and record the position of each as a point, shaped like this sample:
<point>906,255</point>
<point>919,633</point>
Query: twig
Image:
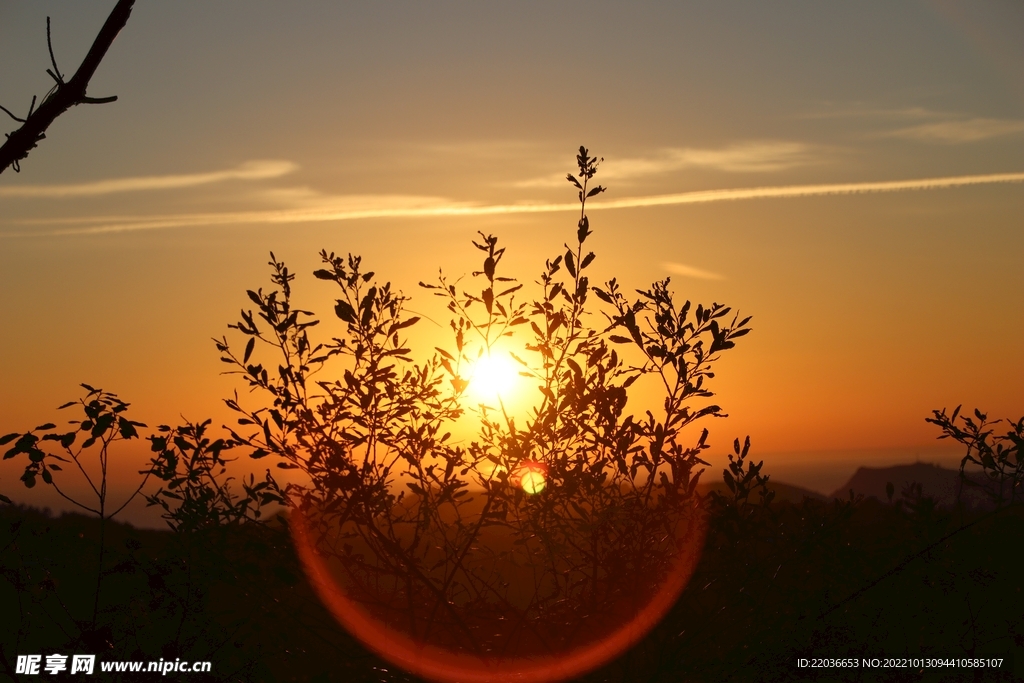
<point>57,75</point>
<point>8,112</point>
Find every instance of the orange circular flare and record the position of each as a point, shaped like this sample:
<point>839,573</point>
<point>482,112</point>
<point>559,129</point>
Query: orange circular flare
<point>531,476</point>
<point>440,664</point>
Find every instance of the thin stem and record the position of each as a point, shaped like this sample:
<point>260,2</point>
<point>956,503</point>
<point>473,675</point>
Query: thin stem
<point>72,500</point>
<point>49,44</point>
<point>132,497</point>
<point>8,112</point>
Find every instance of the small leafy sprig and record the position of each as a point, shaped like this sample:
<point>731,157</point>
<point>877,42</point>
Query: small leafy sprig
<point>196,492</point>
<point>1000,456</point>
<point>104,423</point>
<point>743,478</point>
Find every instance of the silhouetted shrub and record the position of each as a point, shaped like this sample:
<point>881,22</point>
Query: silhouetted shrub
<point>547,529</point>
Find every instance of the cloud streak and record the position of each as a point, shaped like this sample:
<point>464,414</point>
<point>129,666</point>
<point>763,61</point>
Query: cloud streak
<point>342,208</point>
<point>250,170</point>
<point>690,271</point>
<point>957,132</point>
<point>865,112</point>
<point>930,126</point>
<point>748,157</point>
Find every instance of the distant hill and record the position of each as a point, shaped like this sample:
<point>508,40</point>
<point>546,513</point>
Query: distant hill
<point>938,482</point>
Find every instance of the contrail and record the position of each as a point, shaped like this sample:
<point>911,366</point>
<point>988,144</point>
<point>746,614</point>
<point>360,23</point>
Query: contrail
<point>250,170</point>
<point>440,207</point>
<point>811,190</point>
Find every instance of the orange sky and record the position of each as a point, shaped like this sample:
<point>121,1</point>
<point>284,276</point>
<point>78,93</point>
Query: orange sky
<point>397,131</point>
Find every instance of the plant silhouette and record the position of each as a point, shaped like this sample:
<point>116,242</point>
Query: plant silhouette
<point>452,542</point>
<point>104,423</point>
<point>97,586</point>
<point>1000,456</point>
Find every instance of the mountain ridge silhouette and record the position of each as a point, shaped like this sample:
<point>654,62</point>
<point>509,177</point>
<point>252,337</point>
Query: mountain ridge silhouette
<point>940,483</point>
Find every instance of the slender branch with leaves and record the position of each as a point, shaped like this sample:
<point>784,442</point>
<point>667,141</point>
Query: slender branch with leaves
<point>1000,456</point>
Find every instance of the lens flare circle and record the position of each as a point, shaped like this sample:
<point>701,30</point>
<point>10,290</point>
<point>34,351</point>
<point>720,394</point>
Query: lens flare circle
<point>531,477</point>
<point>440,664</point>
<point>533,482</point>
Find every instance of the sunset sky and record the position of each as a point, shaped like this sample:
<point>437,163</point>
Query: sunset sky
<point>850,174</point>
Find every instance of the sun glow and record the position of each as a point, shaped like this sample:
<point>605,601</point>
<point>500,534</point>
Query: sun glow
<point>493,376</point>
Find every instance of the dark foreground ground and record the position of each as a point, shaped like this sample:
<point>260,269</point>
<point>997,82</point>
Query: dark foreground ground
<point>854,579</point>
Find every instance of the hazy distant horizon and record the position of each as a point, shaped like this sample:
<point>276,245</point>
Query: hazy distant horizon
<point>825,471</point>
<point>840,172</point>
<point>819,471</point>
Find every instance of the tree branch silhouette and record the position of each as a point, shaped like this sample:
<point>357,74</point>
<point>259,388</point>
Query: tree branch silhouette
<point>64,94</point>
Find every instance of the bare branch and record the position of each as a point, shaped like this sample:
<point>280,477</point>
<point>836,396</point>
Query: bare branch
<point>65,94</point>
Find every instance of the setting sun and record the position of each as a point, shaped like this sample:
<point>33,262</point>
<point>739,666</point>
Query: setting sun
<point>493,376</point>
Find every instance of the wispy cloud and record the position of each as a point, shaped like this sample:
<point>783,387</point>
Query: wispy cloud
<point>323,208</point>
<point>250,170</point>
<point>862,111</point>
<point>305,206</point>
<point>958,131</point>
<point>748,157</point>
<point>690,271</point>
<point>926,125</point>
